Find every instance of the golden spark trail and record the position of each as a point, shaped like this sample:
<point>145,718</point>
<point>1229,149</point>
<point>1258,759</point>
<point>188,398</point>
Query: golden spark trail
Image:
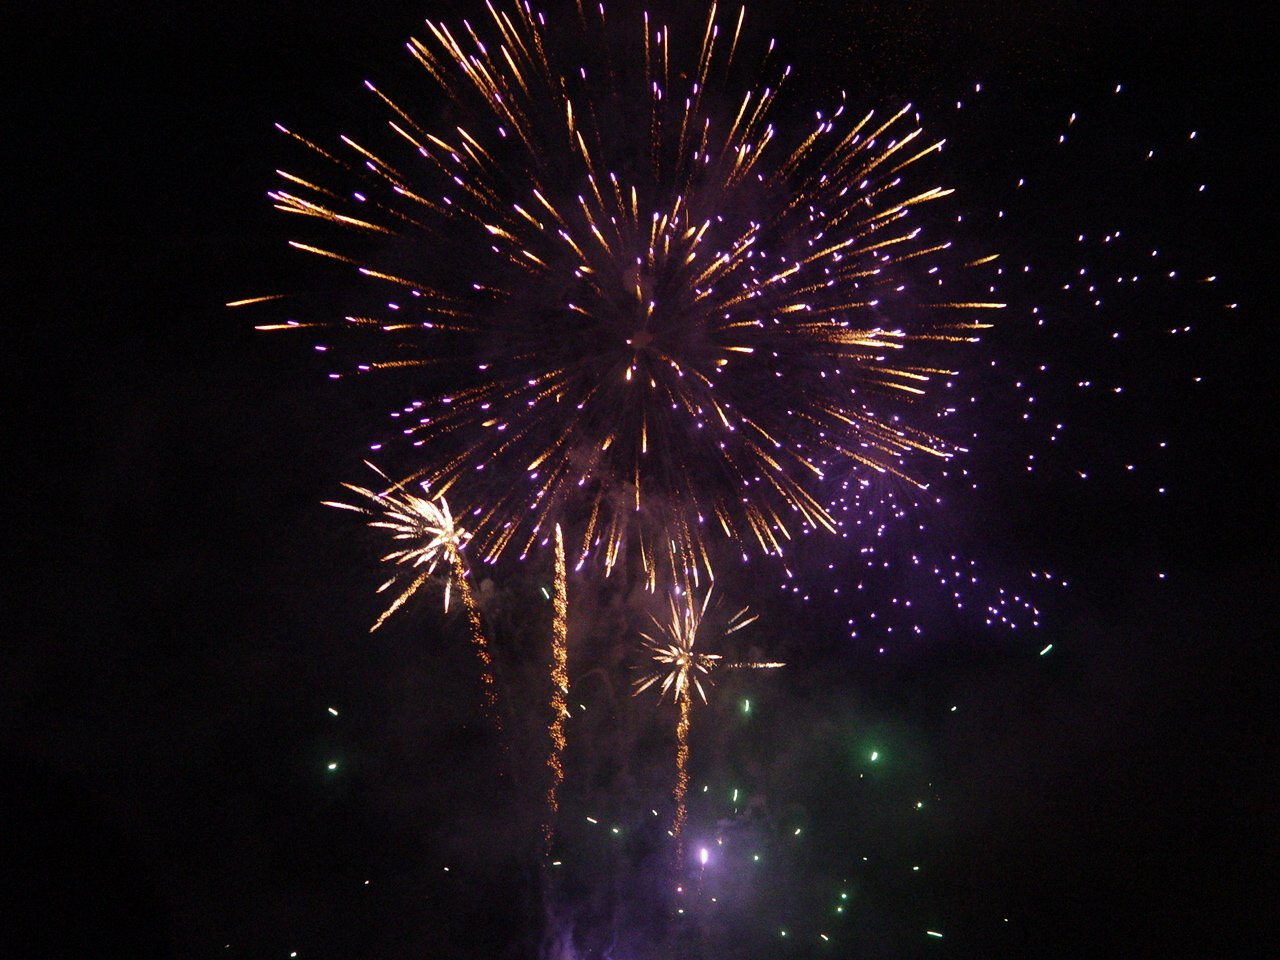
<point>489,690</point>
<point>682,775</point>
<point>559,690</point>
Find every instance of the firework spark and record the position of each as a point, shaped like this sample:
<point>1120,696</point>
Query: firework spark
<point>677,669</point>
<point>430,536</point>
<point>669,319</point>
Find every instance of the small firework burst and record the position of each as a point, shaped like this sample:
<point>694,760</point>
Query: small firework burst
<point>677,669</point>
<point>426,535</point>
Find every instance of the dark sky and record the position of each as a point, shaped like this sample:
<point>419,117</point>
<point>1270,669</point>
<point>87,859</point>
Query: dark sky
<point>183,613</point>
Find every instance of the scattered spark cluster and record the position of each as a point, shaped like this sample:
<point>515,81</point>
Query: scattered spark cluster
<point>744,854</point>
<point>1067,396</point>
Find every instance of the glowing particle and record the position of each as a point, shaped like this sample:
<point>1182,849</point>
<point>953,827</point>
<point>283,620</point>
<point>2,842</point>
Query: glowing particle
<point>1046,649</point>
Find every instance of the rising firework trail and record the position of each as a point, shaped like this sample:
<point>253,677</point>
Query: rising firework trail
<point>627,290</point>
<point>677,667</point>
<point>428,536</point>
<point>559,689</point>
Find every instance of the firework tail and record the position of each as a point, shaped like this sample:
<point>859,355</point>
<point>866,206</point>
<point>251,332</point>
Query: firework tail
<point>559,690</point>
<point>515,213</point>
<point>682,773</point>
<point>489,695</point>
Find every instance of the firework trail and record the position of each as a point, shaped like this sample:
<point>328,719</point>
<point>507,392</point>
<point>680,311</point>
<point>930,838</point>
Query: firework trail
<point>639,298</point>
<point>430,535</point>
<point>559,690</point>
<point>677,668</point>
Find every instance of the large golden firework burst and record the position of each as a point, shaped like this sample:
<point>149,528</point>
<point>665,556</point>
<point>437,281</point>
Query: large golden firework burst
<point>629,289</point>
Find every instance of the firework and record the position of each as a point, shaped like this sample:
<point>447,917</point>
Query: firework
<point>428,536</point>
<point>634,295</point>
<point>677,669</point>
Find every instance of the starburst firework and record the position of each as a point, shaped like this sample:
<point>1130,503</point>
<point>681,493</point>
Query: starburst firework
<point>633,295</point>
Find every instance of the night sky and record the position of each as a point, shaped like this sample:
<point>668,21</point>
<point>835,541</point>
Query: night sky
<point>206,754</point>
